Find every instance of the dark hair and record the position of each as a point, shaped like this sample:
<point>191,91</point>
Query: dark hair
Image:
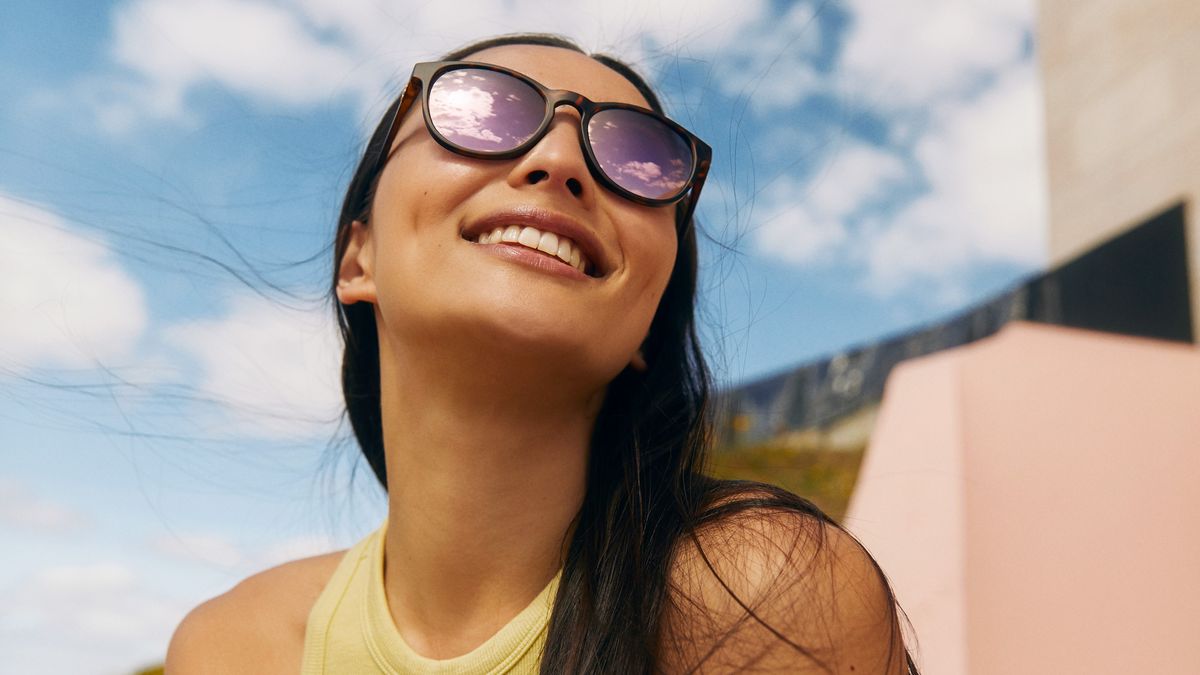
<point>647,491</point>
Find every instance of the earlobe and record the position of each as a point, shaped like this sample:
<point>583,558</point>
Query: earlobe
<point>355,280</point>
<point>638,362</point>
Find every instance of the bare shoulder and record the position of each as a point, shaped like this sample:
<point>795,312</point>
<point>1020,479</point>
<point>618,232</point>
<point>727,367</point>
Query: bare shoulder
<point>773,590</point>
<point>255,627</point>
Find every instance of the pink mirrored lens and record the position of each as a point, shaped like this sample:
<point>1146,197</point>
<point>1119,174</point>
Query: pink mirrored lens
<point>484,110</point>
<point>640,153</point>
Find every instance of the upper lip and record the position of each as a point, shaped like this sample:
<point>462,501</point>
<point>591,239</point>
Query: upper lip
<point>544,220</point>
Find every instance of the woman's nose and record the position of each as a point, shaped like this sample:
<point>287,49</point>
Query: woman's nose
<point>557,162</point>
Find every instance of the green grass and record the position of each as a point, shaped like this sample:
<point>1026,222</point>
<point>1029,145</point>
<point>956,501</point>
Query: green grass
<point>818,463</point>
<point>824,477</point>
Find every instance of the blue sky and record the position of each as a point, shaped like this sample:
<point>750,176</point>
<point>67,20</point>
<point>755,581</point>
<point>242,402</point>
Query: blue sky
<point>169,175</point>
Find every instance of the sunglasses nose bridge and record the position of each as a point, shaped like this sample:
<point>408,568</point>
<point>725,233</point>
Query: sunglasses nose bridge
<point>547,153</point>
<point>559,98</point>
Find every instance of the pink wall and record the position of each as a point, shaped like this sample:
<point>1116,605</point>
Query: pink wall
<point>1035,499</point>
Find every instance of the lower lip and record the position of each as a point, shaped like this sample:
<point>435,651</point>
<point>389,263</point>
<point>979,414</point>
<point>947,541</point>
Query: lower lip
<point>540,261</point>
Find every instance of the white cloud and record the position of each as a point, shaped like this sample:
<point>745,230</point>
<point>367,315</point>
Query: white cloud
<point>21,508</point>
<point>990,154</point>
<point>771,59</point>
<point>219,551</point>
<point>985,163</point>
<point>209,549</point>
<point>427,29</point>
<point>964,106</point>
<point>99,611</point>
<point>323,50</point>
<point>66,299</point>
<point>697,27</point>
<point>908,53</point>
<point>292,548</point>
<point>68,579</point>
<point>254,48</point>
<point>275,369</point>
<point>114,616</point>
<point>106,615</point>
<point>808,222</point>
<point>316,51</point>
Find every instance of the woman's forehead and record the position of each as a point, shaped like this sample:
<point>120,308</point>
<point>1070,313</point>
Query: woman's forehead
<point>559,68</point>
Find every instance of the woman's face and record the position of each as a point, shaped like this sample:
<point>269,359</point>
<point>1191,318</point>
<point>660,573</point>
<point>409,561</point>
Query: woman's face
<point>433,280</point>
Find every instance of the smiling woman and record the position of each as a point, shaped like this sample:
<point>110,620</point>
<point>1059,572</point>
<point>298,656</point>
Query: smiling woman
<point>515,281</point>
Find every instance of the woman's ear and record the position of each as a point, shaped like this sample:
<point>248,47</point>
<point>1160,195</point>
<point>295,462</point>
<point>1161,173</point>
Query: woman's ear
<point>355,280</point>
<point>638,362</point>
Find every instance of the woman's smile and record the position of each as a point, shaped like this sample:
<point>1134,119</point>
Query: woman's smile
<point>545,240</point>
<point>525,255</point>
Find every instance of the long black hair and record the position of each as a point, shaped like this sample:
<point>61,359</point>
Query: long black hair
<point>647,494</point>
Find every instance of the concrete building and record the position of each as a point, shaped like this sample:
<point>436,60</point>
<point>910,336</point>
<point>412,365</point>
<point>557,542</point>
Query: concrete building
<point>1122,102</point>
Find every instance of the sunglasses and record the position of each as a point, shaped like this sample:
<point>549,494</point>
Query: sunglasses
<point>485,111</point>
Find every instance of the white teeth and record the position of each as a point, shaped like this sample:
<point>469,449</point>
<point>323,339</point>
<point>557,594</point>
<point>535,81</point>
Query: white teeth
<point>529,237</point>
<point>547,242</point>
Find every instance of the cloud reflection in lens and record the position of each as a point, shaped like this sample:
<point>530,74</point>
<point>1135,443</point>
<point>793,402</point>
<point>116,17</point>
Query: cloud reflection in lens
<point>484,110</point>
<point>640,153</point>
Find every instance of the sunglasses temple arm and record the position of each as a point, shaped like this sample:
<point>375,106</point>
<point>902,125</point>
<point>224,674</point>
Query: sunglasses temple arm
<point>406,100</point>
<point>693,198</point>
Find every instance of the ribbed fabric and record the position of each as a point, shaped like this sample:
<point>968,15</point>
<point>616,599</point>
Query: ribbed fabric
<point>350,629</point>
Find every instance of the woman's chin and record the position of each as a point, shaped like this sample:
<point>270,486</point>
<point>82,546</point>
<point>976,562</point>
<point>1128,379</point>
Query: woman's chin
<point>501,324</point>
<point>551,344</point>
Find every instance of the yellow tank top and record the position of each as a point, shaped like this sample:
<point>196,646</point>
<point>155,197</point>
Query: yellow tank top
<point>350,629</point>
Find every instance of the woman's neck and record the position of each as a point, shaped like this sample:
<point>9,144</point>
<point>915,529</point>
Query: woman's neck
<point>486,470</point>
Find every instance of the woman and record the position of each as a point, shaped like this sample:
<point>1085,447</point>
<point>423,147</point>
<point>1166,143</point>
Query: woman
<point>523,375</point>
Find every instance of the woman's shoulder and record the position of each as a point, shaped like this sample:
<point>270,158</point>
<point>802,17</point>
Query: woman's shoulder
<point>768,578</point>
<point>750,533</point>
<point>256,626</point>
